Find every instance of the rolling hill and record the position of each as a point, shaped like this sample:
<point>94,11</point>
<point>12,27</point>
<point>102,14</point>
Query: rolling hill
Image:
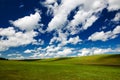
<point>113,59</point>
<point>97,67</point>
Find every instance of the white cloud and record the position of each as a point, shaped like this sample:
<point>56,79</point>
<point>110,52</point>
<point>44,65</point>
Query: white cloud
<point>57,51</point>
<point>18,57</point>
<point>53,40</point>
<point>117,17</point>
<point>56,22</point>
<point>3,48</point>
<point>11,38</point>
<point>87,14</point>
<point>63,40</point>
<point>113,5</point>
<point>64,52</point>
<point>61,13</point>
<point>74,40</point>
<point>104,36</point>
<point>28,22</point>
<point>84,52</point>
<point>27,51</point>
<point>116,30</point>
<point>100,36</point>
<point>39,42</point>
<point>7,31</point>
<point>14,54</point>
<point>95,50</point>
<point>14,38</point>
<point>52,51</point>
<point>98,5</point>
<point>89,22</point>
<point>53,48</point>
<point>37,56</point>
<point>50,1</point>
<point>52,6</point>
<point>79,18</point>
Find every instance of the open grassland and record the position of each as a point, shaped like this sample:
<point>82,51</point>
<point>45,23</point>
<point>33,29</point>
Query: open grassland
<point>99,67</point>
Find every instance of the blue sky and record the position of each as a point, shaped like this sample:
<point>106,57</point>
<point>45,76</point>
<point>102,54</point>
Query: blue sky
<point>59,28</point>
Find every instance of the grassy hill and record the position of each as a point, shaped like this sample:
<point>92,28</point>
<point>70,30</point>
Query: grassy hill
<point>98,67</point>
<point>104,59</point>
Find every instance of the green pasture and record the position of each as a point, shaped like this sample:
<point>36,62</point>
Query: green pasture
<point>99,67</point>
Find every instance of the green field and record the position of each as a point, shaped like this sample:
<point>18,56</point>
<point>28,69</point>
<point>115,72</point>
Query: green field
<point>99,67</point>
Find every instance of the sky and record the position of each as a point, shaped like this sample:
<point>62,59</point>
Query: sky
<point>33,29</point>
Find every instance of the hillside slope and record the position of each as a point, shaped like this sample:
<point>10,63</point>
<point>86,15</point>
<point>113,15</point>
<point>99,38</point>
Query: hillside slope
<point>113,59</point>
<point>62,68</point>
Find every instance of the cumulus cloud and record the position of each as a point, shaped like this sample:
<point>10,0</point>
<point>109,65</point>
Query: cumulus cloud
<point>27,51</point>
<point>15,56</point>
<point>113,5</point>
<point>88,12</point>
<point>7,31</point>
<point>116,30</point>
<point>63,40</point>
<point>65,52</point>
<point>39,42</point>
<point>61,13</point>
<point>117,17</point>
<point>104,36</point>
<point>57,51</point>
<point>74,40</point>
<point>100,36</point>
<point>11,38</point>
<point>85,13</point>
<point>89,22</point>
<point>52,51</point>
<point>28,22</point>
<point>50,1</point>
<point>95,50</point>
<point>83,16</point>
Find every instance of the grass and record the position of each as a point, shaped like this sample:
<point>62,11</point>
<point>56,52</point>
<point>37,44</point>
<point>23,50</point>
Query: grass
<point>99,67</point>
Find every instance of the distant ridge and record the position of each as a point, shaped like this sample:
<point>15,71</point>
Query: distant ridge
<point>103,59</point>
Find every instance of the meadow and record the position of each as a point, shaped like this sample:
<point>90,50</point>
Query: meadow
<point>97,67</point>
